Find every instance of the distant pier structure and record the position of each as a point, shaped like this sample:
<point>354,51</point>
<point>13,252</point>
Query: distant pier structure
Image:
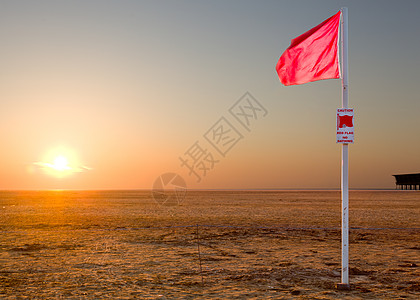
<point>407,181</point>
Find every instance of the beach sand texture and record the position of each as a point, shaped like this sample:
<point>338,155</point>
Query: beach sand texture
<point>253,245</point>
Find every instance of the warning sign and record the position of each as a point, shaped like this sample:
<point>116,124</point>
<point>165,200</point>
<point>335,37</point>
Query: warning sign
<point>345,125</point>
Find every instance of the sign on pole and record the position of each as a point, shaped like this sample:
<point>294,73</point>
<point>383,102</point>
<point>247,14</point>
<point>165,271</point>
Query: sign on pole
<point>345,125</point>
<point>307,54</point>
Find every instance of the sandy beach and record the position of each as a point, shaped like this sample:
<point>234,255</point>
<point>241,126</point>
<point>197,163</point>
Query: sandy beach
<point>215,244</point>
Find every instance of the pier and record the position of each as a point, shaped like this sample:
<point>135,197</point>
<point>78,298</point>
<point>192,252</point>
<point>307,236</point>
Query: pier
<point>407,181</point>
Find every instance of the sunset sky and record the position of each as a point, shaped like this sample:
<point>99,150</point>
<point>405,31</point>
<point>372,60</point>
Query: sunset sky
<point>111,94</point>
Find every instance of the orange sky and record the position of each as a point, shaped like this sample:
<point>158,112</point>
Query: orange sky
<point>124,89</point>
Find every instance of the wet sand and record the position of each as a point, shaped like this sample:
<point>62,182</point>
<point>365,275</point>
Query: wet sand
<point>252,245</point>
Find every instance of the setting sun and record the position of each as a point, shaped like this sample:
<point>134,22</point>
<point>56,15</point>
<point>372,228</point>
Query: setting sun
<point>57,165</point>
<point>61,162</point>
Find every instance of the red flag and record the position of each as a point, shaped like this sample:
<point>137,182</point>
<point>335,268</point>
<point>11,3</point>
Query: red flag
<point>313,55</point>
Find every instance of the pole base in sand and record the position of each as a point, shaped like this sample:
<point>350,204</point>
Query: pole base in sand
<point>342,286</point>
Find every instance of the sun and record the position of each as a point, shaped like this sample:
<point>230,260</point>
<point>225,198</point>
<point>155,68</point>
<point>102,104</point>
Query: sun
<point>60,163</point>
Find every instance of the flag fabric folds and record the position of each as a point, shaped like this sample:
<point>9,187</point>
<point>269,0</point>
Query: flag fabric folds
<point>313,55</point>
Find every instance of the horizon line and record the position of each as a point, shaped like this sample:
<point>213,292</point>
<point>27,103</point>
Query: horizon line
<point>210,189</point>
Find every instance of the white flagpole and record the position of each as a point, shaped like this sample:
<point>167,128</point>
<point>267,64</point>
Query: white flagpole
<point>345,159</point>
